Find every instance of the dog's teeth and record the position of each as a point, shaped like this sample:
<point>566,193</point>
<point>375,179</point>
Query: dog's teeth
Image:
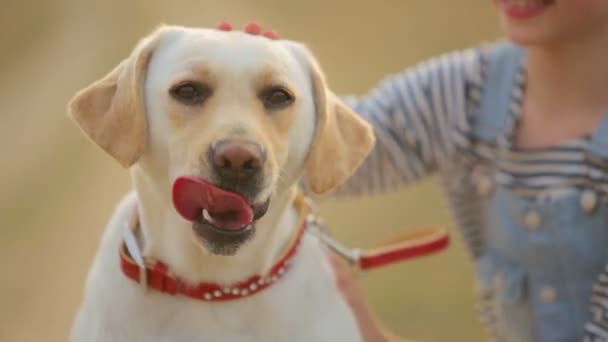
<point>207,216</point>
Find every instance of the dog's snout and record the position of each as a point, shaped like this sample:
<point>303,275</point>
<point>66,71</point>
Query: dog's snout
<point>237,159</point>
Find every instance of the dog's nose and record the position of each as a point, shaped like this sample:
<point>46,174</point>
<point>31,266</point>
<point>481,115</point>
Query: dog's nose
<point>237,159</point>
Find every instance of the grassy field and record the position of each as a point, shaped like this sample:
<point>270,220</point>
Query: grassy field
<point>58,190</point>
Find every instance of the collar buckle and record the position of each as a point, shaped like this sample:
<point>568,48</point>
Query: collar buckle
<point>135,253</point>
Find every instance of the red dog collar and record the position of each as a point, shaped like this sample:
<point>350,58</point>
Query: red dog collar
<point>157,276</point>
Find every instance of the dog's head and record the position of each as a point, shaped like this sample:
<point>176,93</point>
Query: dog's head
<point>227,120</point>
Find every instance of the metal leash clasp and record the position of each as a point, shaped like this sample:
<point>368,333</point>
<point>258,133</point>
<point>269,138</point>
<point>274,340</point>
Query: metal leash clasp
<point>318,228</point>
<point>352,256</point>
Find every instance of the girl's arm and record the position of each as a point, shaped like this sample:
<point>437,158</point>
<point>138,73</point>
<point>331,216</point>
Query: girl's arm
<point>414,114</point>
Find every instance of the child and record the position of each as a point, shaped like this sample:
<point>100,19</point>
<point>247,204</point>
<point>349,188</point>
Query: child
<point>518,133</point>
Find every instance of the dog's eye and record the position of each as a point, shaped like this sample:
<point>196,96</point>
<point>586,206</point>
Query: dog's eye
<point>190,93</point>
<point>276,98</point>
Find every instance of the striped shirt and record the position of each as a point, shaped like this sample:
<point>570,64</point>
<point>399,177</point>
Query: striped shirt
<point>422,120</point>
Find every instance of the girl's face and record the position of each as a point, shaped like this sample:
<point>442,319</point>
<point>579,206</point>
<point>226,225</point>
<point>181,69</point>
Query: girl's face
<point>552,22</point>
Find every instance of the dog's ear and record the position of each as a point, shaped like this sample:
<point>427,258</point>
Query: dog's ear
<point>111,110</point>
<point>342,139</point>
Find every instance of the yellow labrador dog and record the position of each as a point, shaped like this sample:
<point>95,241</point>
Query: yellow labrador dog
<point>217,128</point>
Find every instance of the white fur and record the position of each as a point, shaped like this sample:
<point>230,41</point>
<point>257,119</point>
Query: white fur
<point>303,306</point>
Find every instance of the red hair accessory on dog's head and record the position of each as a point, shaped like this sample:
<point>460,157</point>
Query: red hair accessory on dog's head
<point>270,34</point>
<point>252,28</point>
<point>225,26</point>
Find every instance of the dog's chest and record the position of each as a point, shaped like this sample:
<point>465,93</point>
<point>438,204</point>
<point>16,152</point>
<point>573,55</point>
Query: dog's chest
<point>303,306</point>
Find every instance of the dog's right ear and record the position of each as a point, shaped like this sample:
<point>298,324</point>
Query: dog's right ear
<point>111,111</point>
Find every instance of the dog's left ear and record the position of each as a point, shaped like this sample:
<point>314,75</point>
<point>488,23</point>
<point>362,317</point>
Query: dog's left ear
<point>111,110</point>
<point>342,139</point>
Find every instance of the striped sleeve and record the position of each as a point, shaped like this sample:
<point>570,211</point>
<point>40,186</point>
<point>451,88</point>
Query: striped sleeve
<point>597,328</point>
<point>414,114</point>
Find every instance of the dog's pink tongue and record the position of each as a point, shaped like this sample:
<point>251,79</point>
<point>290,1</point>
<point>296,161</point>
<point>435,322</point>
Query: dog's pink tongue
<point>229,210</point>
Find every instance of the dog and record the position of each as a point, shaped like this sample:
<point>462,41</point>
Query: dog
<point>217,129</point>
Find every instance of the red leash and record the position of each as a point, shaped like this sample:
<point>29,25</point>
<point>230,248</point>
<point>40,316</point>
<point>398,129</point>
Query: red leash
<point>407,246</point>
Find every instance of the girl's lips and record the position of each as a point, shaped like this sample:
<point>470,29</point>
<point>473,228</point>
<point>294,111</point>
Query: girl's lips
<point>524,9</point>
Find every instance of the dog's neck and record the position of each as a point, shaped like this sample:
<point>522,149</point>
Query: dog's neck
<point>168,238</point>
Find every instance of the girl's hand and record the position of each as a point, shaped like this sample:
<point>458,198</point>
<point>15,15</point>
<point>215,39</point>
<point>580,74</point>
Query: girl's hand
<point>369,326</point>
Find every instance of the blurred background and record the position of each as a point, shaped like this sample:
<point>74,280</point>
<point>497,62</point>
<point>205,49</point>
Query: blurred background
<point>57,190</point>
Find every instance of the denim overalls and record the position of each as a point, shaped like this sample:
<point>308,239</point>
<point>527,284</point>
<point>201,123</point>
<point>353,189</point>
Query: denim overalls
<point>540,257</point>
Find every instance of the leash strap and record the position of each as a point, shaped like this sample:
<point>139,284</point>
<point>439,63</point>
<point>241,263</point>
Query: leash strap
<point>406,246</point>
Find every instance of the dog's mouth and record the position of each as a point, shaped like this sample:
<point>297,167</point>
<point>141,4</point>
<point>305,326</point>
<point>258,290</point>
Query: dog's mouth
<point>218,215</point>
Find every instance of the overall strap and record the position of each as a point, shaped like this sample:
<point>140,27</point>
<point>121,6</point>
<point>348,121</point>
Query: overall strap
<point>599,140</point>
<point>500,76</point>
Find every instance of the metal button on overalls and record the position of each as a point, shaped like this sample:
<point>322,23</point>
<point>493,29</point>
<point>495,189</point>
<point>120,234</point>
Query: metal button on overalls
<point>548,294</point>
<point>588,201</point>
<point>485,186</point>
<point>532,220</point>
